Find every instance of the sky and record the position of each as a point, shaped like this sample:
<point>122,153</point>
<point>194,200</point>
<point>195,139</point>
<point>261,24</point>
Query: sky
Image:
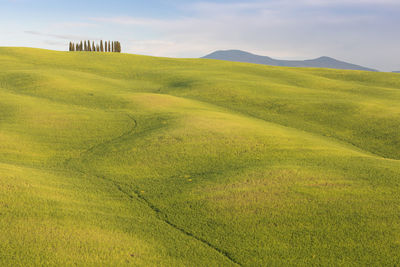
<point>364,32</point>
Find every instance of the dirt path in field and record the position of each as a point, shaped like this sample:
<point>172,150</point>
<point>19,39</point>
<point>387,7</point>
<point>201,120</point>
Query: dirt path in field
<point>137,196</point>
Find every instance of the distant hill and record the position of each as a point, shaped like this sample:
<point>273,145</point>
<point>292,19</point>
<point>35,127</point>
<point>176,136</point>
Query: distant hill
<point>321,62</point>
<point>396,71</point>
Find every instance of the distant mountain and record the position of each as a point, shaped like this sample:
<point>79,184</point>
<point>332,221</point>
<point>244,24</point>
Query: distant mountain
<point>321,62</point>
<point>396,71</point>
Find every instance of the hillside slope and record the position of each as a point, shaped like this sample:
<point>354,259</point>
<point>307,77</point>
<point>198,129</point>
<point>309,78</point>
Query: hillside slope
<point>119,159</point>
<point>321,62</point>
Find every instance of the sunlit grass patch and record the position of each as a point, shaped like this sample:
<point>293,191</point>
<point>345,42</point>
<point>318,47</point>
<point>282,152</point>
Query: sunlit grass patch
<point>131,160</point>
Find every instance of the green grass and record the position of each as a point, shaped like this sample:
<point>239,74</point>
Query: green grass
<point>115,159</point>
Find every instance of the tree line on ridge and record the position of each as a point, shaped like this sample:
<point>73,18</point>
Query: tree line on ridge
<point>107,46</point>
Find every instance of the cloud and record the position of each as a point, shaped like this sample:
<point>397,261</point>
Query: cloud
<point>74,25</point>
<point>282,29</point>
<point>259,6</point>
<point>125,20</point>
<point>59,36</point>
<point>381,3</point>
<point>359,31</point>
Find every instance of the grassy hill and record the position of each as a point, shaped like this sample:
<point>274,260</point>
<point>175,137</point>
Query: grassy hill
<point>131,160</point>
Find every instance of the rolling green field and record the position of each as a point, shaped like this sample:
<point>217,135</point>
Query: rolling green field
<point>112,159</point>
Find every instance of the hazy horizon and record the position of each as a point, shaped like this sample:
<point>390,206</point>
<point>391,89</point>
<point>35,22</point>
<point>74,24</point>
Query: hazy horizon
<point>362,32</point>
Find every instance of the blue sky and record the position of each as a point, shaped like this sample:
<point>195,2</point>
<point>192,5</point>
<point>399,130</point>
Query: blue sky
<point>364,32</point>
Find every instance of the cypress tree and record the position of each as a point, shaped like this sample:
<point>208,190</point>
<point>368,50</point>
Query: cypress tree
<point>93,47</point>
<point>118,47</point>
<point>101,46</point>
<point>84,46</point>
<point>89,48</point>
<point>106,46</point>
